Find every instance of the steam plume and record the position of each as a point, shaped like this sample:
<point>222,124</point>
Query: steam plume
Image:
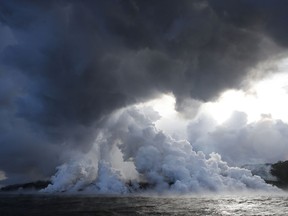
<point>65,66</point>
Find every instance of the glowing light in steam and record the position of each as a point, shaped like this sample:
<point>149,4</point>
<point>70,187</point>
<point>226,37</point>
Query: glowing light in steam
<point>165,105</point>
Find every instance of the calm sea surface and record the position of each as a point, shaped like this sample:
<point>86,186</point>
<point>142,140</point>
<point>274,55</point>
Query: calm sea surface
<point>40,205</point>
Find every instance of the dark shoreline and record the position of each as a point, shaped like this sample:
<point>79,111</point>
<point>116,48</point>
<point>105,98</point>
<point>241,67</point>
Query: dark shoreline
<point>279,170</point>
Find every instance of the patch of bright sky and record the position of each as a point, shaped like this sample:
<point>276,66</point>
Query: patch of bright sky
<point>267,98</point>
<point>164,105</point>
<point>171,122</point>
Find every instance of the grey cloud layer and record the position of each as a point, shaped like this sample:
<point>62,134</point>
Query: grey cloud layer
<point>64,65</point>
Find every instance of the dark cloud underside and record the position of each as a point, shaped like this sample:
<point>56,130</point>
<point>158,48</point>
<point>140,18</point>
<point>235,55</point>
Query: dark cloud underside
<point>64,65</point>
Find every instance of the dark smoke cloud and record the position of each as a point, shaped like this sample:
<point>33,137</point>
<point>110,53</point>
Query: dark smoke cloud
<point>267,16</point>
<point>64,65</point>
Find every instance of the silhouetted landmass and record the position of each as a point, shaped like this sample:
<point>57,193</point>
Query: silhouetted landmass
<point>275,174</point>
<point>280,170</point>
<point>38,185</point>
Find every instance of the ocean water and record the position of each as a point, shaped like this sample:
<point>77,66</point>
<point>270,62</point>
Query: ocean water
<point>71,205</point>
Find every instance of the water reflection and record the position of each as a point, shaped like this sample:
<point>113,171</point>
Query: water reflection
<point>31,205</point>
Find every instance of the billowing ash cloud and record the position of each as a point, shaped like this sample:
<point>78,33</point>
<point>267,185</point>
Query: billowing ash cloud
<point>65,65</point>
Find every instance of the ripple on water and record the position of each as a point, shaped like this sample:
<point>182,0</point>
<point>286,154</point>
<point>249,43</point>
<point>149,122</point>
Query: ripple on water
<point>31,205</point>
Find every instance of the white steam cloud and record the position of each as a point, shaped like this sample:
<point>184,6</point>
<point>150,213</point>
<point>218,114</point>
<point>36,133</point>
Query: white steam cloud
<point>67,65</point>
<point>239,143</point>
<point>246,127</point>
<point>164,163</point>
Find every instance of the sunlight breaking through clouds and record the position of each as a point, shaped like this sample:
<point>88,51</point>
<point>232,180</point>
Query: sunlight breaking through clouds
<point>80,80</point>
<point>266,99</point>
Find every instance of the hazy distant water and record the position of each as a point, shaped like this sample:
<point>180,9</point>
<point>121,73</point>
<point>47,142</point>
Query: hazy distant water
<point>91,205</point>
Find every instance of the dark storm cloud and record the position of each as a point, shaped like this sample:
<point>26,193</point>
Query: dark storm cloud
<point>267,15</point>
<point>66,64</point>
